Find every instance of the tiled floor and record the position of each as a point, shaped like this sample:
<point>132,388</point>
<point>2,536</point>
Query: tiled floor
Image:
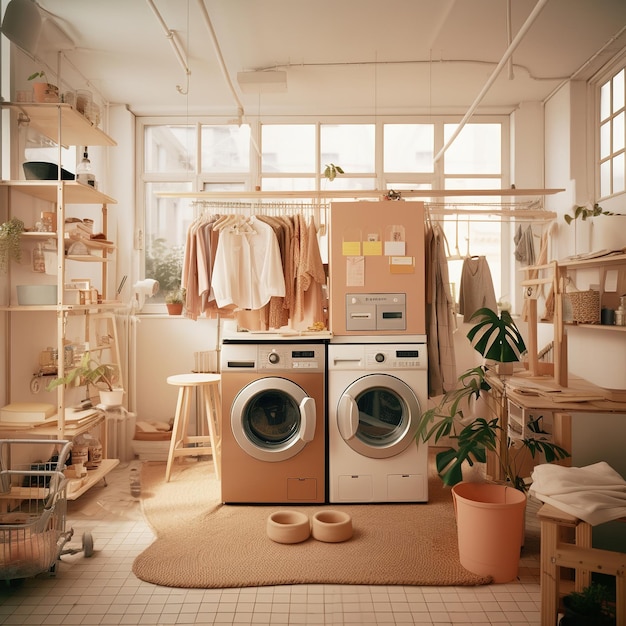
<point>103,590</point>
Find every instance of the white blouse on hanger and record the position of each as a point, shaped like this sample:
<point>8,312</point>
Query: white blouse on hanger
<point>248,268</point>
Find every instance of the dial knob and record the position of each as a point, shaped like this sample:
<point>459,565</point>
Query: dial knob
<point>380,357</point>
<point>273,358</point>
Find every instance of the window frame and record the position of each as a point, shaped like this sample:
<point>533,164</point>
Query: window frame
<point>380,179</point>
<point>604,76</point>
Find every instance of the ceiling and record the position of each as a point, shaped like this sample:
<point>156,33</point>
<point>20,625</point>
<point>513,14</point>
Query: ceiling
<point>357,57</point>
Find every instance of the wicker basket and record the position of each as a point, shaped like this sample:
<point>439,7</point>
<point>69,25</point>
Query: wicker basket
<point>585,306</point>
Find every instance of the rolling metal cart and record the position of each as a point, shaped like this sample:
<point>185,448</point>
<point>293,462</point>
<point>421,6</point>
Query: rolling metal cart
<point>33,507</point>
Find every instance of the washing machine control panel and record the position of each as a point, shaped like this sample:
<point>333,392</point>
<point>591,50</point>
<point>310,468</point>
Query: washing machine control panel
<point>391,357</point>
<point>303,357</point>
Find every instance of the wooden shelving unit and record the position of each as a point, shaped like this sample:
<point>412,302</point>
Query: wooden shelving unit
<point>65,126</point>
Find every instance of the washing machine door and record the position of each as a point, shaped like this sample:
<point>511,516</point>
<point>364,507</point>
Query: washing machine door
<point>378,416</point>
<point>273,419</point>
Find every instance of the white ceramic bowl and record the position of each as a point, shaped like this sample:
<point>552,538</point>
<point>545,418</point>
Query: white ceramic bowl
<point>288,527</point>
<point>332,526</point>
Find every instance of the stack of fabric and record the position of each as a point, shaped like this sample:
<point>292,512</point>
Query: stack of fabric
<point>594,493</point>
<point>80,238</point>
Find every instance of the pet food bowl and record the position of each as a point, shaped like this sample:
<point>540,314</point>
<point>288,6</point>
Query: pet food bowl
<point>36,294</point>
<point>288,527</point>
<point>332,526</point>
<point>42,170</point>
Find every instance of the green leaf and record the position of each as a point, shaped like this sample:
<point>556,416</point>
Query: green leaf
<point>496,338</point>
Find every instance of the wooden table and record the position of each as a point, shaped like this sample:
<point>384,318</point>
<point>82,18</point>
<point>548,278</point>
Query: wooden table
<point>522,394</point>
<point>578,556</point>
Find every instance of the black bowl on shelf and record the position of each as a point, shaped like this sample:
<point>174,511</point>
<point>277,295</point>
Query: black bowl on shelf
<point>42,170</point>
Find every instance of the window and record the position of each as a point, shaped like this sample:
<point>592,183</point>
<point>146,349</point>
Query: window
<point>612,135</point>
<point>387,154</point>
<point>179,159</point>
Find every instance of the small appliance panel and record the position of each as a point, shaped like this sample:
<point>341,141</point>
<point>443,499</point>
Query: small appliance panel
<point>377,268</point>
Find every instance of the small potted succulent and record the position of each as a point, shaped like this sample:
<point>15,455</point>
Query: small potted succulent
<point>174,301</point>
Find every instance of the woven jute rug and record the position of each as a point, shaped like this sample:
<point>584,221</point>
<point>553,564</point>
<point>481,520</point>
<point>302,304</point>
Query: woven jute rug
<point>202,543</point>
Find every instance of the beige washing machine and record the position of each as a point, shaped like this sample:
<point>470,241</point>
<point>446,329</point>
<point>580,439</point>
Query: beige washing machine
<point>273,429</point>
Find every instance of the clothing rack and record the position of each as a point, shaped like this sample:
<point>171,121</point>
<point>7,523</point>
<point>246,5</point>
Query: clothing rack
<point>526,211</point>
<point>318,210</point>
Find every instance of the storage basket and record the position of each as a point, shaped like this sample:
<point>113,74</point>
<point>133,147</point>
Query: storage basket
<point>585,306</point>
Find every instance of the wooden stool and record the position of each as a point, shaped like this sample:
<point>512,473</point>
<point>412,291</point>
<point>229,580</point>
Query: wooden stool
<point>208,386</point>
<point>580,557</point>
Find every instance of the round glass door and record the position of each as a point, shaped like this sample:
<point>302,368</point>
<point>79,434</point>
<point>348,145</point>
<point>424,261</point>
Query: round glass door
<point>273,418</point>
<point>378,416</point>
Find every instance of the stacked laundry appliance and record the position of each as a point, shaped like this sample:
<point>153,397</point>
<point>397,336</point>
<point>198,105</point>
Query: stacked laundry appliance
<point>377,356</point>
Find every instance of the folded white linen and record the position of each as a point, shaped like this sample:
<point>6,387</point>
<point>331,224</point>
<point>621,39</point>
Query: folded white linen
<point>595,493</point>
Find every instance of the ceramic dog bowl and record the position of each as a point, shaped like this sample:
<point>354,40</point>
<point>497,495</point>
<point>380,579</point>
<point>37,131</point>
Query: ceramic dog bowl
<point>332,526</point>
<point>288,527</point>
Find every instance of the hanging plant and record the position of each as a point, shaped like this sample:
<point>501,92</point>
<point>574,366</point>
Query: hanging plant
<point>585,212</point>
<point>10,248</point>
<point>331,171</point>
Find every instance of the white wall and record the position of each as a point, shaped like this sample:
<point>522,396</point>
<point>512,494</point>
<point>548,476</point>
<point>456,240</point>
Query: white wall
<point>164,346</point>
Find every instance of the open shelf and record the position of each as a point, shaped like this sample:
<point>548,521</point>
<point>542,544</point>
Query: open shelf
<point>73,192</point>
<point>54,119</point>
<point>76,487</point>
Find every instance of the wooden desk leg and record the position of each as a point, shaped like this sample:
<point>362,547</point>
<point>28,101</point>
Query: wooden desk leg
<point>583,540</point>
<point>549,573</point>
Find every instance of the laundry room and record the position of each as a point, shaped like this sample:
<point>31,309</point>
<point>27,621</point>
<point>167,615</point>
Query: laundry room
<point>280,271</point>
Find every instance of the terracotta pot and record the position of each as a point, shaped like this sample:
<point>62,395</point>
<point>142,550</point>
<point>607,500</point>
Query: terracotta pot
<point>45,92</point>
<point>175,308</point>
<point>490,527</point>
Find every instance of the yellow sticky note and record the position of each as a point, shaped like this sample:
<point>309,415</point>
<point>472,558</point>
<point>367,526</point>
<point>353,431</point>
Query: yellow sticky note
<point>351,248</point>
<point>372,248</point>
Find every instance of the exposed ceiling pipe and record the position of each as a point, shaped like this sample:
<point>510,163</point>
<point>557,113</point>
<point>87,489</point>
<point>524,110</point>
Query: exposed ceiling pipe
<point>176,46</point>
<point>509,51</point>
<point>509,34</point>
<point>220,58</point>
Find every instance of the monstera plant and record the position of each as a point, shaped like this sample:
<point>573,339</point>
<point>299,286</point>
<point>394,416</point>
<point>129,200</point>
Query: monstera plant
<point>495,337</point>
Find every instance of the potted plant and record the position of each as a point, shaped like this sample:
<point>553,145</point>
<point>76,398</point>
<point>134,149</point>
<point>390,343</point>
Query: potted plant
<point>589,607</point>
<point>10,244</point>
<point>174,301</point>
<point>103,376</point>
<point>43,91</point>
<point>496,338</point>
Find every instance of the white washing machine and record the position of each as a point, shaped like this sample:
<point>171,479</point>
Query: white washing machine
<point>273,426</point>
<point>376,394</point>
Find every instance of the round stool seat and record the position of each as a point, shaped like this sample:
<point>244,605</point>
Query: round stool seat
<point>193,380</point>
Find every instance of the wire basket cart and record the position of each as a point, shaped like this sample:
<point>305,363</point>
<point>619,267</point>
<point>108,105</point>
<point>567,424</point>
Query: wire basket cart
<point>33,508</point>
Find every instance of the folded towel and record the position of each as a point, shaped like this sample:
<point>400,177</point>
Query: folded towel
<point>594,493</point>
